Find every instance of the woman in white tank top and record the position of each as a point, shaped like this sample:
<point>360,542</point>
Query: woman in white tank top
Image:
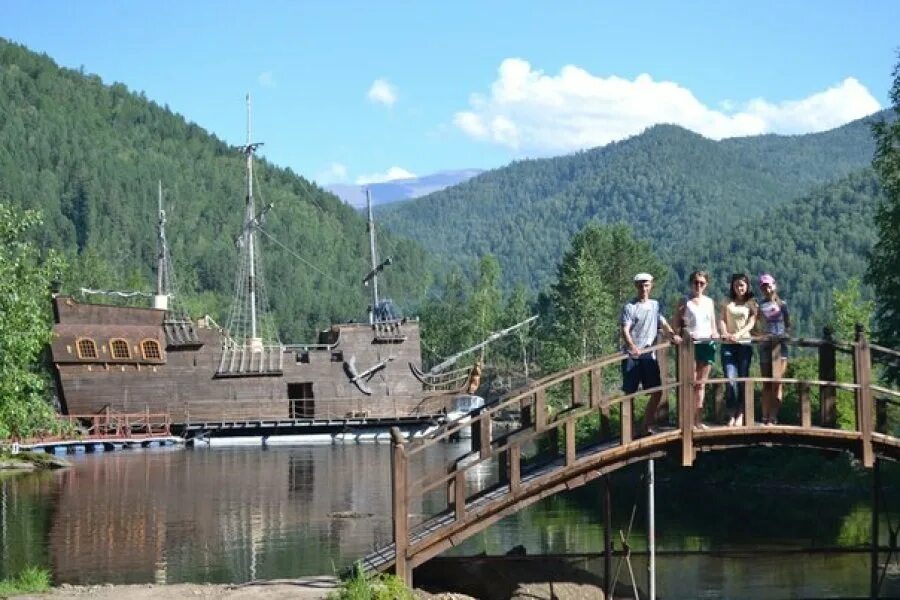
<point>698,313</point>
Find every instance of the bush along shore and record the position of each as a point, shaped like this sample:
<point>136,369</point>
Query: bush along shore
<point>29,461</point>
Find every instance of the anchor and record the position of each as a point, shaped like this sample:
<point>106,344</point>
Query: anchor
<point>360,379</point>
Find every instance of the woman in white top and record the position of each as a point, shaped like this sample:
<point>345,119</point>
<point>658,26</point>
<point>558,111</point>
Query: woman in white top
<point>736,321</point>
<point>697,312</point>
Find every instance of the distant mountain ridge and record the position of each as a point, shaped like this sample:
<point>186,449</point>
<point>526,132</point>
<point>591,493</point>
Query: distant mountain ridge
<point>669,184</point>
<point>395,190</point>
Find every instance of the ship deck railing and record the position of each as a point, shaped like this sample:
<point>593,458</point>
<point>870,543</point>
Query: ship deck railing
<point>106,426</point>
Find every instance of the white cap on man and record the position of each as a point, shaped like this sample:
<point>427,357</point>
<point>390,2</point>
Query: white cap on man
<point>643,277</point>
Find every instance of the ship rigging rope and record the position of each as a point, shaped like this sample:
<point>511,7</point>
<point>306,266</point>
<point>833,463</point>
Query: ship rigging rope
<point>350,244</point>
<point>304,261</point>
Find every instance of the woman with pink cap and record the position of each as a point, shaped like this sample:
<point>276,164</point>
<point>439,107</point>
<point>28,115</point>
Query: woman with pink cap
<point>773,352</point>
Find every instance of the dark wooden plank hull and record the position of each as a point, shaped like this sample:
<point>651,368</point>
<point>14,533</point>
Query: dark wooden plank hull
<point>183,381</point>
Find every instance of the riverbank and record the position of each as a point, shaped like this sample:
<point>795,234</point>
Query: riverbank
<point>27,462</point>
<point>310,588</point>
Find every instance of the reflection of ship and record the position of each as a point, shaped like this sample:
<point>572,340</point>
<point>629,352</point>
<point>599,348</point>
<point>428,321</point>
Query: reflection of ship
<point>129,359</point>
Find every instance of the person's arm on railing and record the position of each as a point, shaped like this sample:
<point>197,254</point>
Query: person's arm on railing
<point>669,330</point>
<point>728,337</point>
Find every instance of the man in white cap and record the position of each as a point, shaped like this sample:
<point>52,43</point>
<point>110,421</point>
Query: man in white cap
<point>641,321</point>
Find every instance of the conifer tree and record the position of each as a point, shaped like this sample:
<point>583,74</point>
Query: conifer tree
<point>884,264</point>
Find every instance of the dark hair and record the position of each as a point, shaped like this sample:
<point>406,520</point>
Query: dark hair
<point>740,277</point>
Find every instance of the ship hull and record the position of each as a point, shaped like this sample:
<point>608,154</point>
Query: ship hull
<point>196,379</point>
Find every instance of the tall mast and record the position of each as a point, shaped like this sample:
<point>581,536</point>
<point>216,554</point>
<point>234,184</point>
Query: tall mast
<point>371,228</point>
<point>249,229</point>
<point>161,300</point>
<point>249,324</point>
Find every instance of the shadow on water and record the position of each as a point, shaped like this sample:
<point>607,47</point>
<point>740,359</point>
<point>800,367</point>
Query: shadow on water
<point>232,515</point>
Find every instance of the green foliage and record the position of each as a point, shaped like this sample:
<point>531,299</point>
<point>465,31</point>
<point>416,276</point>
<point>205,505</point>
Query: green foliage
<point>579,315</point>
<point>885,258</point>
<point>849,309</point>
<point>379,587</point>
<point>89,155</point>
<point>469,310</point>
<point>24,325</point>
<point>31,580</point>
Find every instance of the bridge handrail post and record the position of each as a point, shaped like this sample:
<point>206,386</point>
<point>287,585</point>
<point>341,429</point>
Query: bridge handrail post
<point>686,396</point>
<point>400,506</point>
<point>827,372</point>
<point>862,368</point>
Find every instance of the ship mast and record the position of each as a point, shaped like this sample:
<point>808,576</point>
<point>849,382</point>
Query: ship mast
<point>161,299</point>
<point>376,267</point>
<point>255,341</point>
<point>374,257</point>
<point>249,326</point>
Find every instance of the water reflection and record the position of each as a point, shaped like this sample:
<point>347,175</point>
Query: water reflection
<point>230,515</point>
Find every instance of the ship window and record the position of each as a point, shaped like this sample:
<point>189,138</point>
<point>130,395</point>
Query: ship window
<point>150,350</point>
<point>303,357</point>
<point>337,356</point>
<point>86,348</point>
<point>119,348</point>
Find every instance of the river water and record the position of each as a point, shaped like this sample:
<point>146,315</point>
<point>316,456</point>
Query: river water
<point>233,515</point>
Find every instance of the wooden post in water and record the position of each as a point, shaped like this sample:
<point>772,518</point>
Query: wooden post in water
<point>607,536</point>
<point>399,507</point>
<point>873,573</point>
<point>827,372</point>
<point>862,366</point>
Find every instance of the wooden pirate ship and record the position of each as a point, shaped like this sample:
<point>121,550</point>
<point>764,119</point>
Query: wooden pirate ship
<point>156,360</point>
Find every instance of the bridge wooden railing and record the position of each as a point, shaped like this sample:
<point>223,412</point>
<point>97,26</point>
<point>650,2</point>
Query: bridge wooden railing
<point>451,501</point>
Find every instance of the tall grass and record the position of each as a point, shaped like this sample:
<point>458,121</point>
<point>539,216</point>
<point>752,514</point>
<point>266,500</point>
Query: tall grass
<point>30,580</point>
<point>380,587</point>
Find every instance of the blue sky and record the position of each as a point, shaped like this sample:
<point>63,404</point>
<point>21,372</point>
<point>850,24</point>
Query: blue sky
<point>352,91</point>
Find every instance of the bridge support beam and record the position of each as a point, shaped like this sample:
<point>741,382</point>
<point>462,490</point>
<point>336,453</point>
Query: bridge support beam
<point>827,372</point>
<point>686,404</point>
<point>862,365</point>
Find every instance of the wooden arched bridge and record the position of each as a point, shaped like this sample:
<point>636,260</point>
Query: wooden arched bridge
<point>592,434</point>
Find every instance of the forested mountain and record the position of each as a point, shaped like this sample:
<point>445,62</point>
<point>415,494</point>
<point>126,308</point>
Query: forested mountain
<point>667,183</point>
<point>811,245</point>
<point>89,156</point>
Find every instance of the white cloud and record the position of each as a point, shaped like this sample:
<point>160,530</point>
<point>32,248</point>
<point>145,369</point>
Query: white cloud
<point>335,173</point>
<point>267,79</point>
<point>390,175</point>
<point>532,112</point>
<point>382,92</point>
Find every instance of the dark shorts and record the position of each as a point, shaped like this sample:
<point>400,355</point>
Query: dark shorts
<point>768,348</point>
<point>640,372</point>
<point>705,352</point>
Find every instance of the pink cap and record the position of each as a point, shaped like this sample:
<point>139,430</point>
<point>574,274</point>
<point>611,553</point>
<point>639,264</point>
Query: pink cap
<point>765,278</point>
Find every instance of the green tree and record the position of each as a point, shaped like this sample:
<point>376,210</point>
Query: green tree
<point>24,325</point>
<point>883,273</point>
<point>849,309</point>
<point>580,313</point>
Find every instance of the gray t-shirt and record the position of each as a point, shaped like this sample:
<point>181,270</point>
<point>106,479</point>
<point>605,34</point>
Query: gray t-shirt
<point>644,319</point>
